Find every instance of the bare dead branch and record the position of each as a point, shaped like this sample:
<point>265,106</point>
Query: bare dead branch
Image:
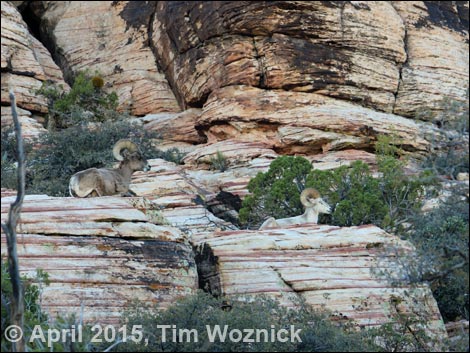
<point>9,228</point>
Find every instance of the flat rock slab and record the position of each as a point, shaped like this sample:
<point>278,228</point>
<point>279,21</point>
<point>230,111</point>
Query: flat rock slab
<point>101,254</point>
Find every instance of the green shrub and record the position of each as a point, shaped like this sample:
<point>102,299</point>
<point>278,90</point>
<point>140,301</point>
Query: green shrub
<point>317,333</point>
<point>441,239</point>
<point>85,126</point>
<point>354,194</point>
<point>276,192</point>
<point>219,162</point>
<point>85,102</point>
<point>403,194</point>
<point>77,148</point>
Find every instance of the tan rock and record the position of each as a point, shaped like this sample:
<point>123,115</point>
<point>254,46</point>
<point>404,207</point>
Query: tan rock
<point>437,56</point>
<point>25,63</point>
<point>100,254</point>
<point>328,266</point>
<point>303,46</point>
<point>306,123</point>
<point>175,126</point>
<point>179,198</point>
<point>31,128</point>
<point>111,38</point>
<point>233,150</point>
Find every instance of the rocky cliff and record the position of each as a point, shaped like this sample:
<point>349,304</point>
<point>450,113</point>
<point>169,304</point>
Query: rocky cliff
<point>252,80</point>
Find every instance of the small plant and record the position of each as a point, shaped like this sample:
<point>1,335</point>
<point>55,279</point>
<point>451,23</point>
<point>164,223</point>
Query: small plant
<point>35,319</point>
<point>85,103</point>
<point>172,155</point>
<point>219,162</point>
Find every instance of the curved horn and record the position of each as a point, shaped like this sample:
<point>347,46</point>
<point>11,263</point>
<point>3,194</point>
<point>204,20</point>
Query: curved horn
<point>121,145</point>
<point>308,194</point>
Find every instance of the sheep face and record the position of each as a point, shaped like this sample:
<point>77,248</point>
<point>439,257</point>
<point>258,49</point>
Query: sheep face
<point>136,162</point>
<point>321,206</point>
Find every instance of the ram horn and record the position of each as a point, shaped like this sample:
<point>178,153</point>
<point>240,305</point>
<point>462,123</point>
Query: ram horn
<point>307,195</point>
<point>121,145</point>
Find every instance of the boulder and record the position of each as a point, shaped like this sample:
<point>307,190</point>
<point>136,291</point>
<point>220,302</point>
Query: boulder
<point>330,267</point>
<point>101,254</point>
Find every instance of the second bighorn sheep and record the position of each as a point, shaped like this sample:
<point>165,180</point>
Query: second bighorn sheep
<point>110,181</point>
<point>314,205</point>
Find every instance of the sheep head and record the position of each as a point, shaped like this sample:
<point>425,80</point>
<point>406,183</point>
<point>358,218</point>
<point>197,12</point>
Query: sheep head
<point>311,198</point>
<point>128,153</point>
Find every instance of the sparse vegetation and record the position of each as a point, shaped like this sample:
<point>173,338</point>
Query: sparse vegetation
<point>197,312</point>
<point>83,126</point>
<point>86,102</point>
<point>35,317</point>
<point>219,162</point>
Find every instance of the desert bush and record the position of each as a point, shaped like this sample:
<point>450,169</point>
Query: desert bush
<point>86,102</point>
<point>354,194</point>
<point>276,192</point>
<point>219,162</point>
<point>85,126</point>
<point>63,153</point>
<point>441,259</point>
<point>200,310</point>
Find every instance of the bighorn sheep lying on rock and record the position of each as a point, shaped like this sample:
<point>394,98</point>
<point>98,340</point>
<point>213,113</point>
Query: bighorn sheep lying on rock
<point>314,205</point>
<point>108,181</point>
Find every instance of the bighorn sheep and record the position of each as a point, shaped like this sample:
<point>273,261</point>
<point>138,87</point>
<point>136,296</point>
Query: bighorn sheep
<point>110,181</point>
<point>314,205</point>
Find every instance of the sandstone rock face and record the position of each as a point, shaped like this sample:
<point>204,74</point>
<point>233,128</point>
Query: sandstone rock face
<point>356,51</point>
<point>180,127</point>
<point>306,123</point>
<point>249,80</point>
<point>101,254</point>
<point>25,63</point>
<point>327,266</point>
<point>437,54</point>
<point>109,37</point>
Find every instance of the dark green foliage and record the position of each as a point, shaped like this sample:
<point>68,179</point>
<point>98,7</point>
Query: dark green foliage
<point>352,191</point>
<point>32,293</point>
<point>403,194</point>
<point>85,126</point>
<point>86,102</point>
<point>318,334</point>
<point>441,239</point>
<point>32,310</point>
<point>276,192</point>
<point>354,194</point>
<point>77,148</point>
